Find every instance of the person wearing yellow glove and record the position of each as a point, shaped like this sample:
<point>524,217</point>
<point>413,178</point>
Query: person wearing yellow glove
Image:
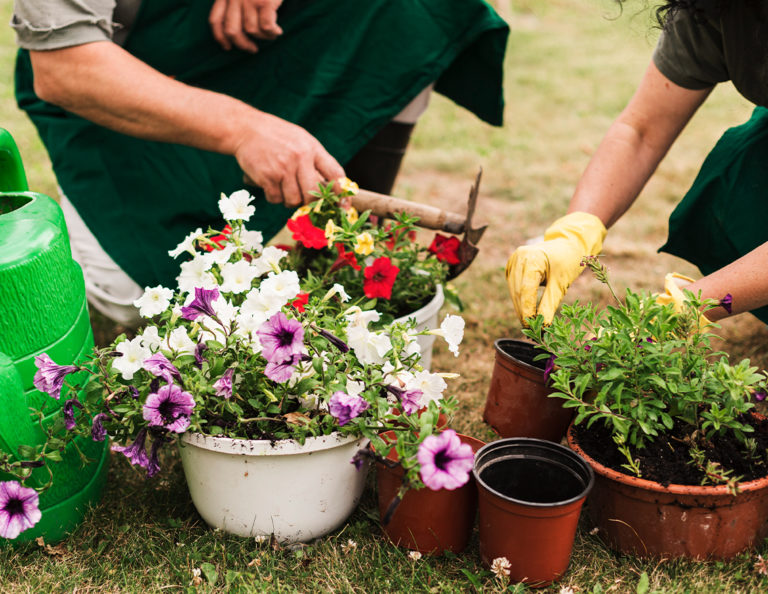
<point>720,224</point>
<point>556,261</point>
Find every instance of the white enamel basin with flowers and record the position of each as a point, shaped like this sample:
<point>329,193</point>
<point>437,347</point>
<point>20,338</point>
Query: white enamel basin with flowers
<point>259,488</point>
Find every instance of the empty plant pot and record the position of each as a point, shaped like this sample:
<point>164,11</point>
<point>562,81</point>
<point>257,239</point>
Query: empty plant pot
<point>530,496</point>
<point>427,521</point>
<point>518,404</point>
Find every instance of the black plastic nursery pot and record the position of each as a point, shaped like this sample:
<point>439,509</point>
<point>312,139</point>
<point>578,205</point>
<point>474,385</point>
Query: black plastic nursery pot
<point>530,494</point>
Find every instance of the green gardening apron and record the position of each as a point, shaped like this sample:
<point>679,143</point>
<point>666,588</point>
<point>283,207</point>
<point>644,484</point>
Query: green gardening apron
<point>342,69</point>
<point>725,213</point>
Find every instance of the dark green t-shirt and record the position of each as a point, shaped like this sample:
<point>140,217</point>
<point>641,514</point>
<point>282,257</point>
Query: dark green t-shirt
<point>724,44</point>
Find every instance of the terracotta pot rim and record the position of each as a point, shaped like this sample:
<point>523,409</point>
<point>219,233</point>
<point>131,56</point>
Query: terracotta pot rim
<point>481,484</point>
<point>672,488</point>
<point>499,351</point>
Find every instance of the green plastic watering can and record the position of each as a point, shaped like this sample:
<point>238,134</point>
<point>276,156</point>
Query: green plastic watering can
<point>43,309</point>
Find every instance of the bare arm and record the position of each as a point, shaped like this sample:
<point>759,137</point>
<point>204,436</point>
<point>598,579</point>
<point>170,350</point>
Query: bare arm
<point>105,84</point>
<point>634,145</point>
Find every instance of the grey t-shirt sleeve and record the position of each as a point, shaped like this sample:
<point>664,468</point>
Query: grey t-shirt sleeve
<point>690,53</point>
<point>55,24</point>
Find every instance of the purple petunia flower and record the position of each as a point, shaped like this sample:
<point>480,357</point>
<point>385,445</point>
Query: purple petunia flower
<point>154,463</point>
<point>134,391</point>
<point>549,368</point>
<point>411,400</point>
<point>223,385</point>
<point>169,408</point>
<point>727,303</point>
<point>445,461</point>
<point>334,340</point>
<point>345,407</point>
<point>68,410</point>
<point>759,395</point>
<point>281,338</point>
<point>136,453</point>
<point>199,350</point>
<point>98,433</point>
<point>49,377</point>
<point>201,305</point>
<point>281,371</point>
<point>159,366</point>
<point>19,509</point>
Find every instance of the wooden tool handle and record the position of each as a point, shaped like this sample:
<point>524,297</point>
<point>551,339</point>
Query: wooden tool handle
<point>430,217</point>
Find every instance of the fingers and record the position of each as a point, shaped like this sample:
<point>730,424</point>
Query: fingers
<point>229,20</point>
<point>216,21</point>
<point>328,167</point>
<point>267,23</point>
<point>233,28</point>
<point>526,269</point>
<point>550,300</point>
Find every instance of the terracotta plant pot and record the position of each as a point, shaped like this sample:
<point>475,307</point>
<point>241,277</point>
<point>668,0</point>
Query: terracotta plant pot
<point>530,496</point>
<point>427,521</point>
<point>517,404</point>
<point>644,518</point>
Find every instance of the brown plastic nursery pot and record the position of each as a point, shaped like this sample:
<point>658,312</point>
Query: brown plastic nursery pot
<point>530,496</point>
<point>517,404</point>
<point>427,521</point>
<point>644,518</point>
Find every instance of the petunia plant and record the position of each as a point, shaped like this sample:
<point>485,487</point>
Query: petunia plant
<point>378,260</point>
<point>240,349</point>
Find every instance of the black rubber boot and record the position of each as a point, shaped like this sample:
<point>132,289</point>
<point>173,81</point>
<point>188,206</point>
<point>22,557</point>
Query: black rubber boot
<point>376,165</point>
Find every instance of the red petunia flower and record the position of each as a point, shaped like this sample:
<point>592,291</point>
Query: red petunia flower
<point>345,259</point>
<point>395,235</point>
<point>445,249</point>
<point>301,300</point>
<point>306,233</point>
<point>379,278</point>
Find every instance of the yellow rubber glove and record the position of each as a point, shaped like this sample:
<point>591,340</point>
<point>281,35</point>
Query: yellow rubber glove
<point>673,293</point>
<point>555,262</point>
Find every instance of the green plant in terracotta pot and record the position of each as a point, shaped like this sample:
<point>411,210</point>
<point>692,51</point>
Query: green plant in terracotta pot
<point>661,415</point>
<point>269,388</point>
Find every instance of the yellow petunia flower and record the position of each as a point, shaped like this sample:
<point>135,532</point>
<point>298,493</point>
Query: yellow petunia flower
<point>331,229</point>
<point>364,244</point>
<point>352,214</point>
<point>347,185</point>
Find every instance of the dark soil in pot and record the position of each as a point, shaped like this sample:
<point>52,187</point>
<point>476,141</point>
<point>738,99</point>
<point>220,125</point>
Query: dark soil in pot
<point>668,461</point>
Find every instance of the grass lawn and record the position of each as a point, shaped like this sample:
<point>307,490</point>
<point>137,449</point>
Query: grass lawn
<point>571,66</point>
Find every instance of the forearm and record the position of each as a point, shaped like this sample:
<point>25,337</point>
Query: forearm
<point>633,147</point>
<point>746,280</point>
<point>105,84</point>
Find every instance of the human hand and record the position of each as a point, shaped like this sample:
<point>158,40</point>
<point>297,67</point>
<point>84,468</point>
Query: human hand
<point>556,262</point>
<point>235,22</point>
<point>285,160</point>
<point>673,293</point>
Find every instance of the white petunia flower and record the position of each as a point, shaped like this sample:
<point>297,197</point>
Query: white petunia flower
<point>283,286</point>
<point>399,377</point>
<point>261,305</point>
<point>180,341</point>
<point>337,289</point>
<point>237,207</point>
<point>219,256</point>
<point>453,332</point>
<point>150,339</point>
<point>430,384</point>
<point>369,347</point>
<point>269,261</point>
<point>133,355</point>
<point>354,387</point>
<point>155,300</point>
<point>187,244</point>
<point>237,277</point>
<point>252,240</point>
<point>360,318</point>
<point>195,274</point>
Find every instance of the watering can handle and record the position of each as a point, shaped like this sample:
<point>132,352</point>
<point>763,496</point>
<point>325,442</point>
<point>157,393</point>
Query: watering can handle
<point>12,176</point>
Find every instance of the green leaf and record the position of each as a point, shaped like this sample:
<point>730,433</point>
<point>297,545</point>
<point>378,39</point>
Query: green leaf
<point>643,584</point>
<point>210,573</point>
<point>473,578</point>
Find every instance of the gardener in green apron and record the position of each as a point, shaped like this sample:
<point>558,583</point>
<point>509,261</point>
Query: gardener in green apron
<point>720,225</point>
<point>150,110</point>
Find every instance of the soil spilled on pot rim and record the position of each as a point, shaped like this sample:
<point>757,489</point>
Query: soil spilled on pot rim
<point>532,481</point>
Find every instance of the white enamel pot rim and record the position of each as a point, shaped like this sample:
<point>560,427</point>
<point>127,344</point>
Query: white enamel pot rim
<point>265,447</point>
